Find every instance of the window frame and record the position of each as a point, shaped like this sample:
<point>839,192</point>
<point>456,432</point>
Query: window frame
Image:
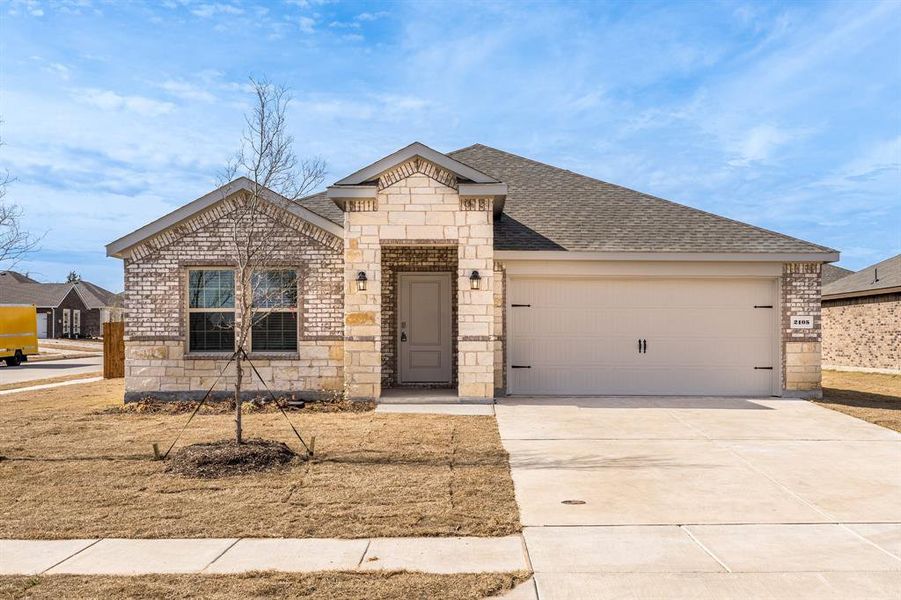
<point>189,310</point>
<point>296,309</point>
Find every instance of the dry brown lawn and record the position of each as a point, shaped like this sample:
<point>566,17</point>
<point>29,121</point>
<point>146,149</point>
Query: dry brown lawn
<point>75,468</point>
<point>313,586</point>
<point>873,397</point>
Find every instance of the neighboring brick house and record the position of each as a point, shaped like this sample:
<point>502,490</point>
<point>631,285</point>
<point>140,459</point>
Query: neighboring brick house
<point>862,320</point>
<point>65,310</point>
<point>484,272</point>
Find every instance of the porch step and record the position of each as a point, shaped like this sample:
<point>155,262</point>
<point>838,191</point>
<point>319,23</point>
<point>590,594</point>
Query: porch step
<point>427,396</point>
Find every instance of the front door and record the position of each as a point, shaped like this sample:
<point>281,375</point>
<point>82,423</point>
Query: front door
<point>424,327</point>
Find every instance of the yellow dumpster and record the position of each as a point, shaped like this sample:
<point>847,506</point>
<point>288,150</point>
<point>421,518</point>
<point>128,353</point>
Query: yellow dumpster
<point>18,333</point>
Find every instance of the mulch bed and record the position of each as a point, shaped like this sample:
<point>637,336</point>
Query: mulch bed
<point>227,459</point>
<point>172,407</point>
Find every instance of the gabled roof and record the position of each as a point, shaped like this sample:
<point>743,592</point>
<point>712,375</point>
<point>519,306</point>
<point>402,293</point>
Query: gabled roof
<point>42,295</point>
<point>95,296</point>
<point>51,295</point>
<point>548,208</point>
<point>417,157</point>
<point>179,215</point>
<point>371,172</point>
<point>882,278</point>
<point>7,276</point>
<point>834,273</point>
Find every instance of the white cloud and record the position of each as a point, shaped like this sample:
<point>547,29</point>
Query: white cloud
<point>56,68</point>
<point>205,11</point>
<point>110,100</point>
<point>306,24</point>
<point>188,91</point>
<point>368,16</point>
<point>759,143</point>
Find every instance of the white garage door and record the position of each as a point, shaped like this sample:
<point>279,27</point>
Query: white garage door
<point>642,336</point>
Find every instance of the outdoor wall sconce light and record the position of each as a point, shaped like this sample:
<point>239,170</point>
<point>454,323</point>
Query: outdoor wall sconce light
<point>361,281</point>
<point>475,280</point>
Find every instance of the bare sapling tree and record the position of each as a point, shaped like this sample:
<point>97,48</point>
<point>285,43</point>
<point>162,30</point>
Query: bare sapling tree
<point>15,242</point>
<point>277,180</point>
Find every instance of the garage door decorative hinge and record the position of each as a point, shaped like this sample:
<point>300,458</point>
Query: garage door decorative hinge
<point>521,366</point>
<point>521,305</point>
<point>763,368</point>
<point>763,306</point>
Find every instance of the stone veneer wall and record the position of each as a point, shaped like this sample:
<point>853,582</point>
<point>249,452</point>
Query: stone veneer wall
<point>801,348</point>
<point>863,333</point>
<point>417,204</point>
<point>156,358</point>
<point>412,259</point>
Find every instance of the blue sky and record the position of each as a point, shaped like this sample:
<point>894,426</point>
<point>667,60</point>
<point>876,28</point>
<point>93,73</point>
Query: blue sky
<point>784,115</point>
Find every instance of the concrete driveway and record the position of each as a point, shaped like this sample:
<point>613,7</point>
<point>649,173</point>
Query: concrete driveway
<point>704,498</point>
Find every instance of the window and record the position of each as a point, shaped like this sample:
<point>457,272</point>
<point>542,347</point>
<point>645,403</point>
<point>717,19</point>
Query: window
<point>274,311</point>
<point>211,310</point>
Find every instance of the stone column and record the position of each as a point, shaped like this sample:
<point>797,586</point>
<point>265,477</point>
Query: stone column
<point>475,366</point>
<point>362,309</point>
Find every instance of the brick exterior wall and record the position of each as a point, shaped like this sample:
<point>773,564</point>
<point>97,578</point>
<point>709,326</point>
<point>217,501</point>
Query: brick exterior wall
<point>801,348</point>
<point>411,259</point>
<point>418,204</point>
<point>863,333</point>
<point>157,363</point>
<point>90,319</point>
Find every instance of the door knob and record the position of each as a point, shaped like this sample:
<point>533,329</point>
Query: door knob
<point>403,336</point>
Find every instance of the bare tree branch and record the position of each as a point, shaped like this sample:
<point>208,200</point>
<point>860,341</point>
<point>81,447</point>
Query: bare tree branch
<point>15,242</point>
<point>266,158</point>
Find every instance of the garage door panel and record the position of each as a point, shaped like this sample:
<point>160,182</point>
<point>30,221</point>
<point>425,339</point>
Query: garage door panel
<point>704,336</point>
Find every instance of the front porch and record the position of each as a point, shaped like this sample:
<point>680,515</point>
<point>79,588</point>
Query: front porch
<point>419,256</point>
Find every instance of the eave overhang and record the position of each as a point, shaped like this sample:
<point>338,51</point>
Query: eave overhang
<point>119,247</point>
<point>667,256</point>
<point>863,293</point>
<point>472,183</point>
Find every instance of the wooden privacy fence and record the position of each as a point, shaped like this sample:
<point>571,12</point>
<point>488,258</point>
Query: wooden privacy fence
<point>114,349</point>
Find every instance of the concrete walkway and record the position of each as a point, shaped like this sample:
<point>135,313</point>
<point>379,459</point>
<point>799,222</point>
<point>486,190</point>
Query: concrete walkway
<point>704,498</point>
<point>142,557</point>
<point>47,386</point>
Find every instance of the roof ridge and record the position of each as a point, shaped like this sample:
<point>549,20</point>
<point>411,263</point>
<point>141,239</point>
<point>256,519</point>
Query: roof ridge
<point>652,197</point>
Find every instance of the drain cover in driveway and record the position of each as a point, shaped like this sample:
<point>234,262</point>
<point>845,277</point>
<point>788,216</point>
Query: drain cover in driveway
<point>573,502</point>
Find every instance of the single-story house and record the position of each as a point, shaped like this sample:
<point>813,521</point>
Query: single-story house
<point>64,310</point>
<point>488,273</point>
<point>862,320</point>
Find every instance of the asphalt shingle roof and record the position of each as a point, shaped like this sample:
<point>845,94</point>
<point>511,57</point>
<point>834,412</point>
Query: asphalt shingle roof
<point>834,273</point>
<point>324,207</point>
<point>39,294</point>
<point>549,208</point>
<point>15,276</point>
<point>865,280</point>
<point>52,294</point>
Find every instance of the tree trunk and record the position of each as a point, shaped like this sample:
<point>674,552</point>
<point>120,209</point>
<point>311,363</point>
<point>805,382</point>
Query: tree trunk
<point>239,372</point>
